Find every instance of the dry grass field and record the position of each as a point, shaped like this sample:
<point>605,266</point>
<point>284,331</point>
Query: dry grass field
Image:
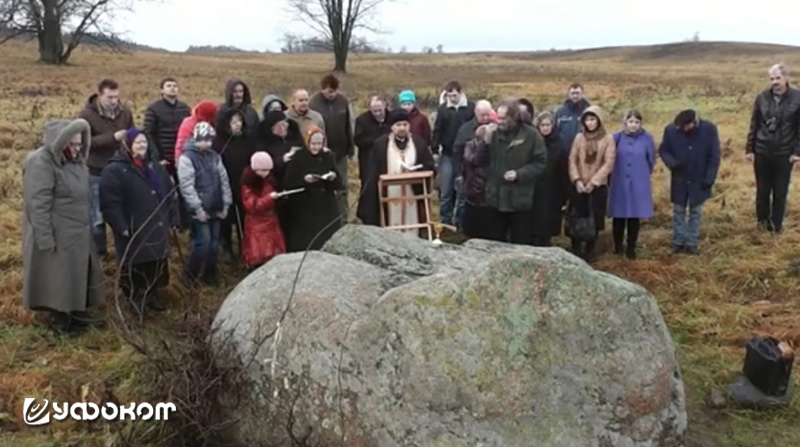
<point>744,282</point>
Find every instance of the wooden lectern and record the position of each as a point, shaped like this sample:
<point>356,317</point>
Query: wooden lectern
<point>407,179</point>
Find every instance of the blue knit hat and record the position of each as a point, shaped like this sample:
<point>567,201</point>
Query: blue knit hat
<point>407,96</point>
<point>130,136</point>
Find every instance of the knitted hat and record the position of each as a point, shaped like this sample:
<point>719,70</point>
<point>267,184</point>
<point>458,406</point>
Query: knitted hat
<point>205,111</point>
<point>130,136</point>
<point>493,116</point>
<point>261,161</point>
<point>274,118</point>
<point>310,133</point>
<point>396,116</point>
<point>686,117</point>
<point>203,131</point>
<point>407,96</point>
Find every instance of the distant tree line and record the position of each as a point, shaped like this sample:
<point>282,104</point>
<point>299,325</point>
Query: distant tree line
<point>292,44</point>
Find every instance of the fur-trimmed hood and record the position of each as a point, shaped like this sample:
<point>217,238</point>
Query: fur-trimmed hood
<point>271,98</point>
<point>57,134</point>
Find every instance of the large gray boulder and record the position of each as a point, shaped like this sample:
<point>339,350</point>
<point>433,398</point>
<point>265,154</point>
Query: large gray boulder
<point>391,341</point>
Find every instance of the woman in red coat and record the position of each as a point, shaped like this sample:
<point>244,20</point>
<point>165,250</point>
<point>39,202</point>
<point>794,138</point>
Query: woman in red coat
<point>263,238</point>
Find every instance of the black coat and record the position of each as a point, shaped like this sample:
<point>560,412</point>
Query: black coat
<point>311,211</point>
<point>368,130</point>
<point>277,147</point>
<point>552,189</point>
<point>448,123</point>
<point>128,199</point>
<point>247,109</point>
<point>236,151</point>
<point>161,122</point>
<point>368,202</point>
<point>775,127</point>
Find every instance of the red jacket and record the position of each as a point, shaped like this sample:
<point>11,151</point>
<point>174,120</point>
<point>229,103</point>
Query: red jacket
<point>203,111</point>
<point>263,238</point>
<point>420,125</point>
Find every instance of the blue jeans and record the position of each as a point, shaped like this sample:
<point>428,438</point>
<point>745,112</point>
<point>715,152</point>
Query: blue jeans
<point>683,235</point>
<point>98,224</point>
<point>205,251</point>
<point>448,193</point>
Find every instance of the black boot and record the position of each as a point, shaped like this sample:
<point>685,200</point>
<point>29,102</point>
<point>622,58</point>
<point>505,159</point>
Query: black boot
<point>630,252</point>
<point>589,255</point>
<point>633,238</point>
<point>577,248</point>
<point>85,319</point>
<point>618,232</point>
<point>64,325</point>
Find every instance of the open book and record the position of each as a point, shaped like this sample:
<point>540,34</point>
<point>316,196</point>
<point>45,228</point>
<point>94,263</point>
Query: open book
<point>290,191</point>
<point>326,176</point>
<point>410,168</point>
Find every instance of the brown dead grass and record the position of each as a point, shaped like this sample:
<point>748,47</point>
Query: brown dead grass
<point>744,283</point>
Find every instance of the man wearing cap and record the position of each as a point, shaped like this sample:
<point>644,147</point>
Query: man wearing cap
<point>399,152</point>
<point>420,123</point>
<point>773,146</point>
<point>370,126</point>
<point>690,149</point>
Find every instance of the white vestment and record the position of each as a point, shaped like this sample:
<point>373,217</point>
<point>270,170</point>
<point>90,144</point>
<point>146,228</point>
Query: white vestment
<point>401,213</point>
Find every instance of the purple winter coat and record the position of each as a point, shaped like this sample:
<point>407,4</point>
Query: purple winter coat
<point>630,192</point>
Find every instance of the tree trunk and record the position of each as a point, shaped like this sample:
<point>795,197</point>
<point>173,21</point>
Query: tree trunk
<point>340,54</point>
<point>51,44</point>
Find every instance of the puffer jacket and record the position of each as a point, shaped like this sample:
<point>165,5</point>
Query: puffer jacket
<point>203,181</point>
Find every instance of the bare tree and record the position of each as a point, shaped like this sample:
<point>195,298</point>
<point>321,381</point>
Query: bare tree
<point>60,26</point>
<point>403,49</point>
<point>440,48</point>
<point>335,21</point>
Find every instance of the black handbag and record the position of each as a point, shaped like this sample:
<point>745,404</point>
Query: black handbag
<point>765,366</point>
<point>582,228</point>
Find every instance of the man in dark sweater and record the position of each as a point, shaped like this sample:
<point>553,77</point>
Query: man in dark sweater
<point>108,120</point>
<point>370,126</point>
<point>161,122</point>
<point>773,145</point>
<point>452,114</point>
<point>335,109</point>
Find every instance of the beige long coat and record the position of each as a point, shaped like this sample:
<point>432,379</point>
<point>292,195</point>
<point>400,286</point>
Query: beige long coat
<point>60,268</point>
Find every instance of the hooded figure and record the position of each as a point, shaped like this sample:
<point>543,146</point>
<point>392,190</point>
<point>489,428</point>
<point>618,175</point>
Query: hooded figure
<point>263,238</point>
<point>246,105</point>
<point>235,145</point>
<point>61,272</point>
<point>591,162</point>
<point>315,211</point>
<point>389,150</point>
<point>139,202</point>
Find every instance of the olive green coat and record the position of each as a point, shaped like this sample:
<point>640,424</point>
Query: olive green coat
<point>522,150</point>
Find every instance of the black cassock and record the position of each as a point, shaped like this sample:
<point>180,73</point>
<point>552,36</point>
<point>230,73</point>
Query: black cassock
<point>368,202</point>
<point>310,211</point>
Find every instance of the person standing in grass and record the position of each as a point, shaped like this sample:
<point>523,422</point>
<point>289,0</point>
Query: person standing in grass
<point>450,116</point>
<point>140,206</point>
<point>300,113</point>
<point>206,190</point>
<point>370,126</point>
<point>161,122</point>
<point>518,157</point>
<point>690,149</point>
<point>420,123</point>
<point>631,192</point>
<point>569,115</point>
<point>109,121</point>
<point>552,189</point>
<point>773,146</point>
<point>591,162</point>
<point>61,273</point>
<point>335,109</point>
<point>237,96</point>
<point>474,159</point>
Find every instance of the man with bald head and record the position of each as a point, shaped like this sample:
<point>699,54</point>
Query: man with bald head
<point>370,126</point>
<point>301,113</point>
<point>773,146</point>
<point>466,132</point>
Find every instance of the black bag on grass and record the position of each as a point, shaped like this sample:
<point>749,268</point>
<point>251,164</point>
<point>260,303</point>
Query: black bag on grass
<point>766,367</point>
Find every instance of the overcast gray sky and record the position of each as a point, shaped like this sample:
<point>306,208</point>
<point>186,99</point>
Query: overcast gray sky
<point>472,25</point>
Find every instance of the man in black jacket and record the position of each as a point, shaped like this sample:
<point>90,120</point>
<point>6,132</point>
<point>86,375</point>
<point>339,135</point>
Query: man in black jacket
<point>773,145</point>
<point>451,115</point>
<point>370,126</point>
<point>161,122</point>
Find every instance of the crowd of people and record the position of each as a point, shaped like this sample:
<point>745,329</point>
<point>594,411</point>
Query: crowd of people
<point>277,178</point>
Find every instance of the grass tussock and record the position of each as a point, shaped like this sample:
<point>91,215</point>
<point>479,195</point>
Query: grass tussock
<point>744,282</point>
